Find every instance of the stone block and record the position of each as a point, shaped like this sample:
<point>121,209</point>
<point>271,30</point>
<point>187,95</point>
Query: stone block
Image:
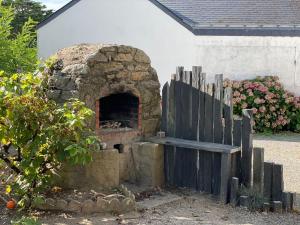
<point>74,206</point>
<point>101,205</point>
<point>138,76</point>
<point>88,207</point>
<point>114,205</point>
<point>149,163</point>
<point>53,94</point>
<point>66,95</point>
<point>50,204</point>
<point>123,57</point>
<point>141,57</point>
<point>76,69</point>
<point>61,204</point>
<point>104,170</point>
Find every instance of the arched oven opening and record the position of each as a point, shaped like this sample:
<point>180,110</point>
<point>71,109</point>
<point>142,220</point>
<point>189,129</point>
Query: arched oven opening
<point>119,111</point>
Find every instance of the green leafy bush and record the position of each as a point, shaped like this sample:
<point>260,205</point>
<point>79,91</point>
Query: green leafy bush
<point>274,108</point>
<point>37,135</point>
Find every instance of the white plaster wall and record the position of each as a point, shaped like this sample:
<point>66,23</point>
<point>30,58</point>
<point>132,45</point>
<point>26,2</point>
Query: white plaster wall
<point>141,24</point>
<point>248,57</point>
<point>137,23</point>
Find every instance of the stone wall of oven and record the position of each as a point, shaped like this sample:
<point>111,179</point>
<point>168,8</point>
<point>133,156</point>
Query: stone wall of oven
<point>90,72</point>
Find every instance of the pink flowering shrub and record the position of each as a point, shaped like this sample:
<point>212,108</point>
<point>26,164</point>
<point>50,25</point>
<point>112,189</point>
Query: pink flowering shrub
<point>274,108</point>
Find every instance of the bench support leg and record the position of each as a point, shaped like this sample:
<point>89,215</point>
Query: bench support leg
<point>225,177</point>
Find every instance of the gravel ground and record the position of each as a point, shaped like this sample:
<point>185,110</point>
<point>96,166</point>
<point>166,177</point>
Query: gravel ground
<point>189,209</point>
<point>283,149</point>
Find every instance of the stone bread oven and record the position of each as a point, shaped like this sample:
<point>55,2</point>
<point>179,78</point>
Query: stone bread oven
<point>119,84</point>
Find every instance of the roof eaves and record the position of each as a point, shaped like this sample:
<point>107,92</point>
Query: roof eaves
<point>244,31</point>
<point>57,13</point>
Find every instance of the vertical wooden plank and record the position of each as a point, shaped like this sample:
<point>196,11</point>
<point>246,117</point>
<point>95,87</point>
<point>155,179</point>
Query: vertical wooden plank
<point>195,102</point>
<point>218,108</point>
<point>237,132</point>
<point>216,173</point>
<point>178,101</point>
<point>277,182</point>
<point>207,163</point>
<point>218,131</point>
<point>209,106</point>
<point>237,141</point>
<point>258,169</point>
<point>247,147</point>
<point>234,189</point>
<point>268,176</point>
<point>202,86</point>
<point>171,111</point>
<point>169,164</point>
<point>179,154</point>
<point>287,201</point>
<point>201,172</point>
<point>225,177</point>
<point>186,106</point>
<point>179,166</point>
<point>228,116</point>
<point>165,108</point>
<point>189,168</point>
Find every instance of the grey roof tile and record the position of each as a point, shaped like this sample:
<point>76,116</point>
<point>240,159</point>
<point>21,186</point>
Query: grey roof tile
<point>237,13</point>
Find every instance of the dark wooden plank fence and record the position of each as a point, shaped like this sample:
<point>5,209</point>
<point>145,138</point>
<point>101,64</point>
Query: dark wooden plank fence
<point>210,150</point>
<point>195,110</point>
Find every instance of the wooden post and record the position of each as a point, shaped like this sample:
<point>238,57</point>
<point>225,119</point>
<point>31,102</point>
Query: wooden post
<point>234,191</point>
<point>287,201</point>
<point>208,128</point>
<point>218,108</point>
<point>268,179</point>
<point>225,177</point>
<point>228,115</point>
<point>277,206</point>
<point>196,102</point>
<point>247,147</point>
<point>237,132</point>
<point>171,110</point>
<point>202,93</point>
<point>266,207</point>
<point>165,108</point>
<point>258,169</point>
<point>277,182</point>
<point>237,141</point>
<point>244,201</point>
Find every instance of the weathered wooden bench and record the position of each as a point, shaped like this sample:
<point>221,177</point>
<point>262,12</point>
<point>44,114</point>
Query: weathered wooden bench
<point>212,166</point>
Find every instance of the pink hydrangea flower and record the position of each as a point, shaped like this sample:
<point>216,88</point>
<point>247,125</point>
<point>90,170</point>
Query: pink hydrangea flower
<point>244,105</point>
<point>262,109</point>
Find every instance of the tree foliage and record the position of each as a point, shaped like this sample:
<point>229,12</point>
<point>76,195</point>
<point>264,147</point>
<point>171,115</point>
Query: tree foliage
<point>25,9</point>
<point>37,135</point>
<point>16,53</point>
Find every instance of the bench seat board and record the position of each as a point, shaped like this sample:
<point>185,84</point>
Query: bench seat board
<point>187,144</point>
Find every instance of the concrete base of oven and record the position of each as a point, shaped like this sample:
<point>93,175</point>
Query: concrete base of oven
<point>141,163</point>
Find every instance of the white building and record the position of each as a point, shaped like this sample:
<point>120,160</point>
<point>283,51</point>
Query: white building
<point>239,38</point>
